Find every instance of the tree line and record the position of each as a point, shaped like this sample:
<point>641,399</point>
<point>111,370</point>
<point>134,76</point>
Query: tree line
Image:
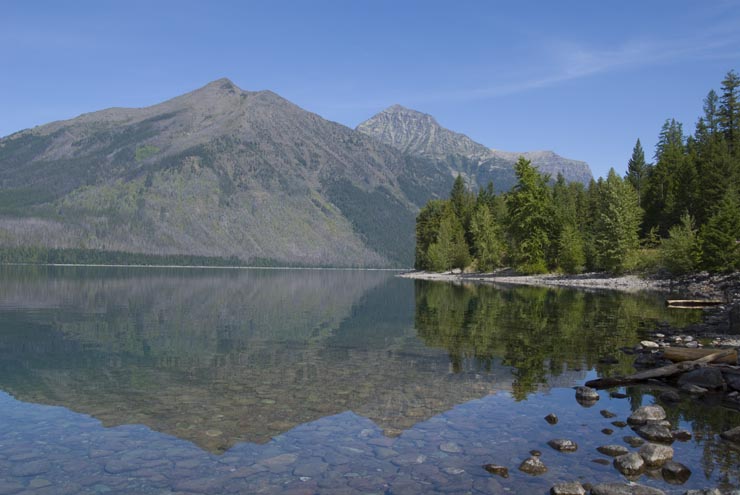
<point>679,214</point>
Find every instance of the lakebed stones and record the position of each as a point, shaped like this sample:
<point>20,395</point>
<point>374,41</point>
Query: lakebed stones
<point>675,473</point>
<point>533,466</point>
<point>450,448</point>
<point>656,455</point>
<point>613,450</point>
<point>623,489</point>
<point>630,464</point>
<point>572,488</point>
<point>563,445</point>
<point>644,414</point>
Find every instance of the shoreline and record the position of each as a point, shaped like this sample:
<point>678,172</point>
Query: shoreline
<point>599,281</point>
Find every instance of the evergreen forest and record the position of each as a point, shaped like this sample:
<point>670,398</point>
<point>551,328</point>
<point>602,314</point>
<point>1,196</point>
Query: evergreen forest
<point>676,215</point>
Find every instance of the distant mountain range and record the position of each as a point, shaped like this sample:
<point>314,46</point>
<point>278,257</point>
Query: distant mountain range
<point>226,172</point>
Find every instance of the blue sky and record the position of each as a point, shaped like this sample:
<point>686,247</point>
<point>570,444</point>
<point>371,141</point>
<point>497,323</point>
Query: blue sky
<point>585,79</point>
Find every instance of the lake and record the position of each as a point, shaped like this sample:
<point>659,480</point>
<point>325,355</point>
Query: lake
<point>144,380</point>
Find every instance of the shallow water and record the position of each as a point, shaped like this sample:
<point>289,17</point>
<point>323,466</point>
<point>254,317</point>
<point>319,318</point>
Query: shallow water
<point>243,381</point>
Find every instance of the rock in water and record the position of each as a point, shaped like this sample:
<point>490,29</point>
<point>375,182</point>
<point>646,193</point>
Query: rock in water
<point>502,471</point>
<point>675,473</point>
<point>655,433</point>
<point>533,466</point>
<point>573,488</point>
<point>709,378</point>
<point>551,418</point>
<point>607,414</point>
<point>644,414</point>
<point>656,455</point>
<point>732,435</point>
<point>563,445</point>
<point>633,441</point>
<point>587,393</point>
<point>630,464</point>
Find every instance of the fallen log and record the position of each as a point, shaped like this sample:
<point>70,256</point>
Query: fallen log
<point>692,303</point>
<point>665,371</point>
<point>679,354</point>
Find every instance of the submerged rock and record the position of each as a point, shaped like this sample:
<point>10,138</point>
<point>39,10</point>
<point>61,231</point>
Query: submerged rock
<point>502,471</point>
<point>563,445</point>
<point>450,448</point>
<point>644,414</point>
<point>709,378</point>
<point>624,489</point>
<point>572,488</point>
<point>613,450</point>
<point>655,433</point>
<point>629,464</point>
<point>675,473</point>
<point>533,466</point>
<point>656,455</point>
<point>634,441</point>
<point>607,414</point>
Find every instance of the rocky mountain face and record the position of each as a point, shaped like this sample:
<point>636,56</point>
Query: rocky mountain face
<point>225,172</point>
<point>420,134</point>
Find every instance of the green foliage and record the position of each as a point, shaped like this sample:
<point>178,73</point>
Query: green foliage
<point>572,257</point>
<point>427,227</point>
<point>680,252</point>
<point>487,237</point>
<point>637,169</point>
<point>449,250</point>
<point>144,152</point>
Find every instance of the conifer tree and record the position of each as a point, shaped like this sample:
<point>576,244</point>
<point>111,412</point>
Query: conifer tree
<point>449,250</point>
<point>488,243</point>
<point>637,169</point>
<point>720,235</point>
<point>680,251</point>
<point>427,228</point>
<point>729,114</point>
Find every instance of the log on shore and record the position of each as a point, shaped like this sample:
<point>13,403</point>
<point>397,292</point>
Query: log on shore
<point>692,303</point>
<point>663,372</point>
<point>679,354</point>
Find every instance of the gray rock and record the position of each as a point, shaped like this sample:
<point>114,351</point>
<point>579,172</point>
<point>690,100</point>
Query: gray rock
<point>496,469</point>
<point>644,414</point>
<point>607,414</point>
<point>586,394</point>
<point>533,466</point>
<point>649,344</point>
<point>656,455</point>
<point>732,435</point>
<point>709,378</point>
<point>670,396</point>
<point>675,473</point>
<point>655,433</point>
<point>629,464</point>
<point>693,389</point>
<point>633,441</point>
<point>707,491</point>
<point>613,450</point>
<point>681,435</point>
<point>572,488</point>
<point>563,445</point>
<point>624,489</point>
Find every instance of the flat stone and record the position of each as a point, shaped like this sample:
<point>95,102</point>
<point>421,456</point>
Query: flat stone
<point>533,466</point>
<point>624,489</point>
<point>563,445</point>
<point>619,424</point>
<point>502,471</point>
<point>453,470</point>
<point>33,468</point>
<point>450,448</point>
<point>586,395</point>
<point>681,435</point>
<point>649,344</point>
<point>644,414</point>
<point>675,473</point>
<point>572,488</point>
<point>613,450</point>
<point>603,462</point>
<point>199,485</point>
<point>551,418</point>
<point>279,462</point>
<point>311,469</point>
<point>694,389</point>
<point>408,459</point>
<point>656,455</point>
<point>629,464</point>
<point>732,435</point>
<point>607,414</point>
<point>607,431</point>
<point>633,441</point>
<point>655,433</point>
<point>709,378</point>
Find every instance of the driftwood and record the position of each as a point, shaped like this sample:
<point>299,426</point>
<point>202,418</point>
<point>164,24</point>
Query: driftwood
<point>678,354</point>
<point>692,303</point>
<point>670,370</point>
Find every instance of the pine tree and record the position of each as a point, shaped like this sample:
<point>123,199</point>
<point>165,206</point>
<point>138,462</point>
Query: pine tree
<point>729,111</point>
<point>637,169</point>
<point>571,256</point>
<point>488,243</point>
<point>720,235</point>
<point>427,228</point>
<point>680,251</point>
<point>449,250</point>
<point>530,216</point>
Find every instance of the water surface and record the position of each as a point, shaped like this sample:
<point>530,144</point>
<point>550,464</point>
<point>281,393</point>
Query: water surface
<point>304,381</point>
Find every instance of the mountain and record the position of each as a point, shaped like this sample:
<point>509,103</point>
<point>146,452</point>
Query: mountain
<point>217,172</point>
<point>420,134</point>
<point>231,173</point>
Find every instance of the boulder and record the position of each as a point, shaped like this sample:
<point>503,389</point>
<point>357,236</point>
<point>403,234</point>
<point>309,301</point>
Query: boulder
<point>502,471</point>
<point>613,450</point>
<point>655,433</point>
<point>656,455</point>
<point>675,473</point>
<point>551,418</point>
<point>732,435</point>
<point>633,441</point>
<point>630,464</point>
<point>732,379</point>
<point>586,395</point>
<point>644,414</point>
<point>709,378</point>
<point>623,489</point>
<point>533,466</point>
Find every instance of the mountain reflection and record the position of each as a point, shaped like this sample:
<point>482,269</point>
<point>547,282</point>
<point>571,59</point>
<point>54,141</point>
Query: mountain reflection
<point>219,357</point>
